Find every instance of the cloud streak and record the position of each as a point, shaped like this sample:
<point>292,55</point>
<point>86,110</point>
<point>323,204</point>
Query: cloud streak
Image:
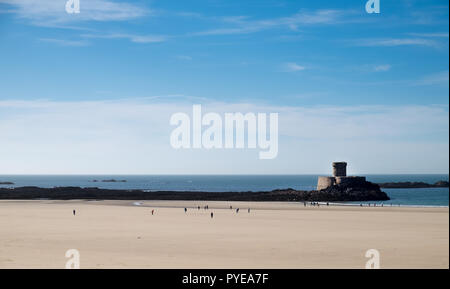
<point>64,42</point>
<point>245,25</point>
<point>52,12</point>
<point>433,35</point>
<point>292,67</point>
<point>132,37</point>
<point>390,42</point>
<point>382,67</point>
<point>132,136</point>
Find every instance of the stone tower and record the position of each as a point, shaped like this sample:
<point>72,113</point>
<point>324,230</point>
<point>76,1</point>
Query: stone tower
<point>339,178</point>
<point>339,169</point>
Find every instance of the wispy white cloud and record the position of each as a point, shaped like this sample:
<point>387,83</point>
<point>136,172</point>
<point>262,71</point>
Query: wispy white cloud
<point>244,24</point>
<point>433,35</point>
<point>132,136</point>
<point>65,42</point>
<point>396,42</point>
<point>52,12</point>
<point>184,57</point>
<point>292,67</point>
<point>382,67</point>
<point>131,37</point>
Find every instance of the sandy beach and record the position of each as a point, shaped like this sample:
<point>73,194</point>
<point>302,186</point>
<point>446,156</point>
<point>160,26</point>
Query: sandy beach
<point>125,234</point>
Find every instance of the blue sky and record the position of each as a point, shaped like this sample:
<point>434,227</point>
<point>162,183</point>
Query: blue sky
<point>278,54</point>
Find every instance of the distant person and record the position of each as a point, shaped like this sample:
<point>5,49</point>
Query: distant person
<point>153,211</point>
<point>212,215</point>
<point>74,212</point>
<point>231,207</point>
<point>199,207</point>
<point>304,204</point>
<point>237,210</point>
<point>249,210</point>
<point>328,204</point>
<point>185,210</point>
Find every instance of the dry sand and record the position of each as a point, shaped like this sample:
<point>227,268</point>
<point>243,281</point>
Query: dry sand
<point>119,234</point>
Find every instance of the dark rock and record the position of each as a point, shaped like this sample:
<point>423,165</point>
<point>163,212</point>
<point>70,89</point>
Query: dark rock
<point>441,184</point>
<point>367,192</point>
<point>414,185</point>
<point>114,181</point>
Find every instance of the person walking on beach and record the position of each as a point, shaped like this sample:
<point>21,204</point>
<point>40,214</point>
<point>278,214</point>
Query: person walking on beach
<point>153,211</point>
<point>212,215</point>
<point>185,210</point>
<point>74,212</point>
<point>237,210</point>
<point>249,210</point>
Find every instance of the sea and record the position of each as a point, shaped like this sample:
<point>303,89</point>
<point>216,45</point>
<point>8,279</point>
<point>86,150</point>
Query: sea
<point>435,197</point>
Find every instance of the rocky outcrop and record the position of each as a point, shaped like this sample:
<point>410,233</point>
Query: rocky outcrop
<point>110,181</point>
<point>414,185</point>
<point>332,194</point>
<point>363,191</point>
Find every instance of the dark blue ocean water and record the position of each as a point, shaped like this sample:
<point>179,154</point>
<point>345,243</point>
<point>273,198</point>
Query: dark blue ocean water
<point>215,183</point>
